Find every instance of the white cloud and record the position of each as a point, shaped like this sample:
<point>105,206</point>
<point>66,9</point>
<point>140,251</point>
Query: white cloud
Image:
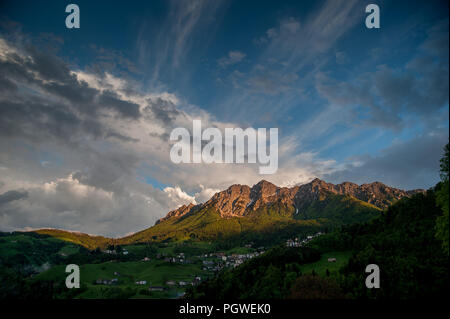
<point>205,194</point>
<point>179,197</point>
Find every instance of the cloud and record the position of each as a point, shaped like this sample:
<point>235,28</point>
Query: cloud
<point>178,196</point>
<point>232,58</point>
<point>205,194</point>
<point>172,44</point>
<point>405,164</point>
<point>99,136</point>
<point>12,196</point>
<point>287,27</point>
<point>342,58</point>
<point>388,96</point>
<point>270,81</point>
<point>292,52</point>
<point>67,203</point>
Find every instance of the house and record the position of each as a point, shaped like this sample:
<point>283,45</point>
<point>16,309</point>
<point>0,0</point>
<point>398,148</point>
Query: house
<point>182,283</point>
<point>331,260</point>
<point>170,283</point>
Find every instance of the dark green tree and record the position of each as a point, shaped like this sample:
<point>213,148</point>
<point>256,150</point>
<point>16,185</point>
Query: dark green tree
<point>442,200</point>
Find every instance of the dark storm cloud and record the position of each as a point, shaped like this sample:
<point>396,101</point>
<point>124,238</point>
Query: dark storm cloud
<point>6,85</point>
<point>163,136</point>
<point>48,67</point>
<point>12,196</point>
<point>110,100</point>
<point>41,99</point>
<point>105,170</point>
<point>121,137</point>
<point>408,165</point>
<point>51,74</point>
<point>163,111</point>
<point>37,121</point>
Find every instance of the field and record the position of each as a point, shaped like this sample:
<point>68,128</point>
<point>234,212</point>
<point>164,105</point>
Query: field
<point>320,267</point>
<point>155,273</point>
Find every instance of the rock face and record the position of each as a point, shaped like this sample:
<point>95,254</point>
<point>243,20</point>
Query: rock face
<point>240,200</point>
<point>180,211</point>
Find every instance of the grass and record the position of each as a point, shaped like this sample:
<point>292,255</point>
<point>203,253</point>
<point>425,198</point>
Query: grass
<point>155,272</point>
<point>69,250</point>
<point>86,240</point>
<point>239,250</point>
<point>31,249</point>
<point>320,267</point>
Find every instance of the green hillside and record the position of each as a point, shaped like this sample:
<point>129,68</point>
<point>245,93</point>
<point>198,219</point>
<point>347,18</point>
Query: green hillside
<point>20,249</point>
<point>339,210</point>
<point>275,222</point>
<point>88,241</point>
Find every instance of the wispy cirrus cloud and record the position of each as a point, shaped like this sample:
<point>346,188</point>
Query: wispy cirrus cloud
<point>177,35</point>
<point>233,57</point>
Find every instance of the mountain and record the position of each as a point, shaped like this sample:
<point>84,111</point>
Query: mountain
<point>265,210</point>
<point>261,213</point>
<point>242,200</point>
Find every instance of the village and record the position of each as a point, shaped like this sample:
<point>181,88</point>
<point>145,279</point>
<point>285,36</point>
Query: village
<point>299,243</point>
<point>209,263</point>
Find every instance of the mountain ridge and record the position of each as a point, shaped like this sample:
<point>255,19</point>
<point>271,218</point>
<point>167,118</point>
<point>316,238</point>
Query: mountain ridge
<point>263,210</point>
<point>238,200</point>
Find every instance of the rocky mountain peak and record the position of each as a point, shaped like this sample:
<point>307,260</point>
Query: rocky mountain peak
<point>180,211</point>
<point>240,200</point>
<point>263,189</point>
<point>232,201</point>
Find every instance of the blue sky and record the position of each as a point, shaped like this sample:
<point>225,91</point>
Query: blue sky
<point>351,103</point>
